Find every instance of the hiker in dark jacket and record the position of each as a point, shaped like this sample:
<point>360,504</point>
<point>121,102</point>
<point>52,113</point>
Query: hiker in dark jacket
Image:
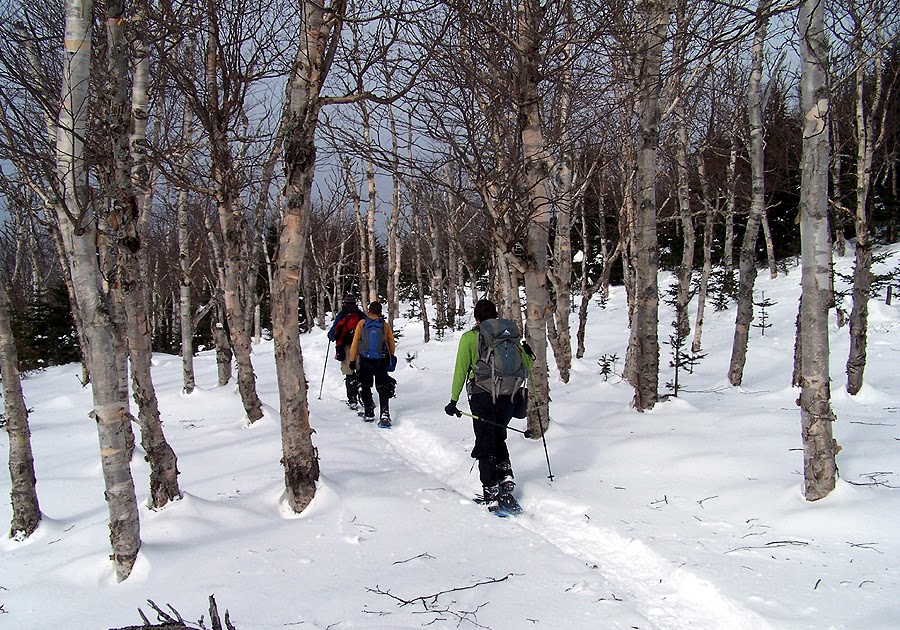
<point>341,334</point>
<point>372,349</point>
<point>492,411</point>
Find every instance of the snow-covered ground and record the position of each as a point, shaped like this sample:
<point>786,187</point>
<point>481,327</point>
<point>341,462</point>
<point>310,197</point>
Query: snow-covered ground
<point>690,516</point>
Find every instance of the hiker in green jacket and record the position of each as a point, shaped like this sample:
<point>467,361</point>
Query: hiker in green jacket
<point>490,396</point>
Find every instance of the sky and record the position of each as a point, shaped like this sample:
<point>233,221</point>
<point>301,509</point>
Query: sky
<point>688,516</point>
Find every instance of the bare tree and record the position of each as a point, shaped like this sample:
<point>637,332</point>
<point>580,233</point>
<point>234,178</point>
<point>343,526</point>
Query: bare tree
<point>652,20</point>
<point>747,278</point>
<point>126,210</point>
<point>816,415</point>
<point>871,130</point>
<point>26,511</point>
<point>77,225</point>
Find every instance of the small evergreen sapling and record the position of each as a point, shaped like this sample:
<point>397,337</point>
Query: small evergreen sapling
<point>607,364</point>
<point>764,304</point>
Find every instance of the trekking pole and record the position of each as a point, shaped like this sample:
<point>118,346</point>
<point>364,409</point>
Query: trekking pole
<point>546,454</point>
<point>496,424</point>
<point>327,352</point>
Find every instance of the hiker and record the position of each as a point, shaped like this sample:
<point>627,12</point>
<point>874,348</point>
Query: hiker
<point>490,395</point>
<point>341,334</point>
<point>373,350</point>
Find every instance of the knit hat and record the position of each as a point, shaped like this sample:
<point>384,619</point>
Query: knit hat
<point>349,299</point>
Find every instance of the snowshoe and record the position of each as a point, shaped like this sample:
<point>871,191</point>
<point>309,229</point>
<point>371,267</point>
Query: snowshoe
<point>508,503</point>
<point>385,421</point>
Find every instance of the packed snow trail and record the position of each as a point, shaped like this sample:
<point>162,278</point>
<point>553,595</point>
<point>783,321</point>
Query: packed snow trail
<point>668,596</point>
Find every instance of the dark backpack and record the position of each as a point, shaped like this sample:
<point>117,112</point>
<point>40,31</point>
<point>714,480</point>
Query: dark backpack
<point>372,344</point>
<point>499,368</point>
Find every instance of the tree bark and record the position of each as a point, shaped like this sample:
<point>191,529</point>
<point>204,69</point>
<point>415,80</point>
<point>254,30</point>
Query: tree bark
<point>185,263</point>
<point>311,65</point>
<point>868,138</point>
<point>653,19</point>
<point>233,224</point>
<point>538,205</point>
<point>26,511</point>
<point>159,454</point>
<point>816,415</point>
<point>78,229</point>
<point>708,226</point>
<point>747,261</point>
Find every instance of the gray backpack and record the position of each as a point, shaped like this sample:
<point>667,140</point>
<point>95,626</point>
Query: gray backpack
<point>499,368</point>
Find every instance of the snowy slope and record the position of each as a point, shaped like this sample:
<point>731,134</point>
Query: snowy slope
<point>689,516</point>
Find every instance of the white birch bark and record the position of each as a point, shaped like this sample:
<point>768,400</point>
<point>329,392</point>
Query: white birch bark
<point>371,241</point>
<point>78,230</point>
<point>233,224</point>
<point>26,511</point>
<point>126,206</point>
<point>708,229</point>
<point>747,261</point>
<point>816,415</point>
<point>322,27</point>
<point>537,167</point>
<point>393,226</point>
<point>653,19</point>
<point>185,260</point>
<point>870,134</point>
<point>686,269</point>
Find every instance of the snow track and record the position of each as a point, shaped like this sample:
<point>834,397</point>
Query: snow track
<point>669,596</point>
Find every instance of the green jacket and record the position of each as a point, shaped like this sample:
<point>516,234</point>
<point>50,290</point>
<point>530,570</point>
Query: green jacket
<point>466,356</point>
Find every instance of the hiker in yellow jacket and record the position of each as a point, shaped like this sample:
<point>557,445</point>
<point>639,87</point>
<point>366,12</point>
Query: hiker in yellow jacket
<point>372,351</point>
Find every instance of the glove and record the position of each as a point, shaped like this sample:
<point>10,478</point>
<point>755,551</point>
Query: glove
<point>353,365</point>
<point>452,410</point>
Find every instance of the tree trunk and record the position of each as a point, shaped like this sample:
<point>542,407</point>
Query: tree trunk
<point>184,259</point>
<point>420,277</point>
<point>299,456</point>
<point>371,240</point>
<point>233,224</point>
<point>686,270</point>
<point>80,247</point>
<point>569,198</point>
<point>708,227</point>
<point>819,470</point>
<point>159,454</point>
<point>537,173</point>
<point>653,19</point>
<point>393,227</point>
<point>26,512</point>
<point>728,218</point>
<point>770,246</point>
<point>866,133</point>
<point>747,273</point>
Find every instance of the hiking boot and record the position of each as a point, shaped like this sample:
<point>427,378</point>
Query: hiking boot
<point>489,495</point>
<point>369,415</point>
<point>505,474</point>
<point>385,421</point>
<point>353,405</point>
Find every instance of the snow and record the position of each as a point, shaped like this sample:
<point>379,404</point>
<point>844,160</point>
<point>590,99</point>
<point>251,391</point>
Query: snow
<point>689,516</point>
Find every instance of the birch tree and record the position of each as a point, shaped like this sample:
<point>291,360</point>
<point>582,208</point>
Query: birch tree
<point>652,21</point>
<point>871,131</point>
<point>77,225</point>
<point>240,50</point>
<point>26,511</point>
<point>126,210</point>
<point>816,415</point>
<point>319,35</point>
<point>747,260</point>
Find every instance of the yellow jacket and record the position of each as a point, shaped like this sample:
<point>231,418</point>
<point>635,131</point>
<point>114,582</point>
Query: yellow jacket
<point>357,335</point>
